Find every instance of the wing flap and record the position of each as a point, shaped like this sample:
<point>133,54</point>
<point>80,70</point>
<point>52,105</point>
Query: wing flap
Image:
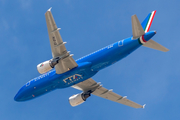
<point>86,85</point>
<point>100,91</point>
<point>65,64</point>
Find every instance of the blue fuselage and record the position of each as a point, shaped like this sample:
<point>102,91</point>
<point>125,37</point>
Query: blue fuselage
<point>88,66</point>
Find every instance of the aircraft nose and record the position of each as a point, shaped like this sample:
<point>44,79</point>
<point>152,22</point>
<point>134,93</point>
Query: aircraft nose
<point>17,97</point>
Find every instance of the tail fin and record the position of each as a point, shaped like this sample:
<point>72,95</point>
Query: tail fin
<point>140,30</point>
<point>146,24</point>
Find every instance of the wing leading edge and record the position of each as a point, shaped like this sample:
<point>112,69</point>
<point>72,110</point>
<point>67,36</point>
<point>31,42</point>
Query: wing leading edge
<point>100,91</point>
<point>66,62</point>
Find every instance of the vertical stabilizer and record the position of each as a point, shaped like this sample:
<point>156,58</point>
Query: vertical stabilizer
<point>146,24</point>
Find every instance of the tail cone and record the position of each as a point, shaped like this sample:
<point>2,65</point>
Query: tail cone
<point>146,37</point>
<point>149,35</point>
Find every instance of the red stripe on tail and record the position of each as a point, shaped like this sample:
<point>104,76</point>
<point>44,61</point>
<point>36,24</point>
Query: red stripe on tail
<point>151,20</point>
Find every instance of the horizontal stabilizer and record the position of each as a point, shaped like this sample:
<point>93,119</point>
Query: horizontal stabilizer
<point>136,27</point>
<point>154,45</point>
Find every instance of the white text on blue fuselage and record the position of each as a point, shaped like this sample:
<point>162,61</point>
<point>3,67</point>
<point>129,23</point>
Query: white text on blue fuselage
<point>72,79</point>
<point>38,78</point>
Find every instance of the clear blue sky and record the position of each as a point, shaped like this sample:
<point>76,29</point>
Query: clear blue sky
<point>146,76</point>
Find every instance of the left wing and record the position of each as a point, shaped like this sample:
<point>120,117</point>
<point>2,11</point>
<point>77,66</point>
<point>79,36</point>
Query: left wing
<point>98,90</point>
<point>59,52</point>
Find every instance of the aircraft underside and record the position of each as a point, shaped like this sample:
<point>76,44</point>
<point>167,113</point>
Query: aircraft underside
<point>63,71</point>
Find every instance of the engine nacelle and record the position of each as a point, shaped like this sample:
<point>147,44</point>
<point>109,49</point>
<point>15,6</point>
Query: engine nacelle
<point>78,98</point>
<point>47,65</point>
<point>44,67</point>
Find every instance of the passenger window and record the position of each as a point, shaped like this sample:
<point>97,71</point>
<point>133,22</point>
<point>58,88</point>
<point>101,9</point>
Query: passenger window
<point>120,43</point>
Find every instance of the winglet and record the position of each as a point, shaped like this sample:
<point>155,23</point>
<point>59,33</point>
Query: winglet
<point>124,97</point>
<point>144,106</point>
<point>49,9</point>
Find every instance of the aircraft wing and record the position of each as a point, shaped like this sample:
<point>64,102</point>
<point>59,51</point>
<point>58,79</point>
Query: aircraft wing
<point>98,90</point>
<point>58,48</point>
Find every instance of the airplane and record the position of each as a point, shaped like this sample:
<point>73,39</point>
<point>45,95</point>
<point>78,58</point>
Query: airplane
<point>63,71</point>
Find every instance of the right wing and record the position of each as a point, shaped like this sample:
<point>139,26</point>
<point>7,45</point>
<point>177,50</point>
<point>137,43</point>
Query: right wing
<point>100,91</point>
<point>58,48</point>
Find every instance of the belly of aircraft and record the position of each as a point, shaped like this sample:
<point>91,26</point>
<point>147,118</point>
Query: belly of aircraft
<point>35,88</point>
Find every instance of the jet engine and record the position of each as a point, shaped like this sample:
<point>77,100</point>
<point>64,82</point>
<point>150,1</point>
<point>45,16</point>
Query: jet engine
<point>79,98</point>
<point>47,65</point>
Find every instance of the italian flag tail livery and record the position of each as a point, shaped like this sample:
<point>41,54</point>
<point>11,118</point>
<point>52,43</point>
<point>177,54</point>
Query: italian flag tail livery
<point>143,35</point>
<point>146,24</point>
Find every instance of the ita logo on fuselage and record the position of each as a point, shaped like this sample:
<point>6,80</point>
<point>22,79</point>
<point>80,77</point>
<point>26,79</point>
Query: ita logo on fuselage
<point>73,78</point>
